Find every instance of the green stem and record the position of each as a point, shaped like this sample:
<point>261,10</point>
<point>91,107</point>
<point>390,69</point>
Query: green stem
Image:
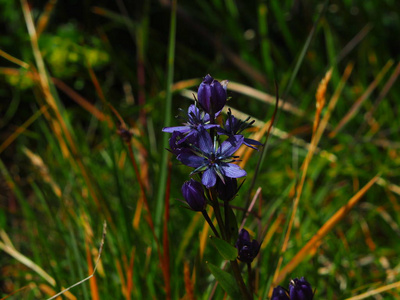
<point>217,211</point>
<point>227,228</point>
<point>250,278</point>
<point>239,280</point>
<point>168,99</point>
<point>207,218</point>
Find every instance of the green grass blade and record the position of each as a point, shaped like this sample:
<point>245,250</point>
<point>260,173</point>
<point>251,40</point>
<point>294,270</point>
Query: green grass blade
<point>168,110</point>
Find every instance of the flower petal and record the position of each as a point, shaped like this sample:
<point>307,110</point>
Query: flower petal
<point>181,129</point>
<point>209,178</point>
<point>208,126</point>
<point>204,95</point>
<point>230,146</point>
<point>188,158</point>
<point>218,96</point>
<point>193,110</point>
<point>205,142</point>
<point>232,170</point>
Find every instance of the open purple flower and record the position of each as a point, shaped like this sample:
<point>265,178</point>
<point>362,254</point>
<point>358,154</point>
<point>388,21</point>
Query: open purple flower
<point>211,161</point>
<point>193,193</point>
<point>195,120</point>
<point>279,293</point>
<point>235,126</point>
<point>247,249</point>
<point>212,95</point>
<point>300,289</point>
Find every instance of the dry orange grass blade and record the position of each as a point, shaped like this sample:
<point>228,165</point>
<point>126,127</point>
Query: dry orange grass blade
<point>22,128</point>
<point>129,276</point>
<point>320,96</point>
<point>97,85</point>
<point>356,106</point>
<point>183,84</point>
<point>333,101</point>
<point>323,231</point>
<point>377,291</point>
<point>94,291</point>
<point>368,236</point>
<point>45,17</point>
<point>189,286</point>
<point>14,60</point>
<point>138,213</point>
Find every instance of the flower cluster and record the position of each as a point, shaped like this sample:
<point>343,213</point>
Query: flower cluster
<point>207,147</point>
<point>299,289</point>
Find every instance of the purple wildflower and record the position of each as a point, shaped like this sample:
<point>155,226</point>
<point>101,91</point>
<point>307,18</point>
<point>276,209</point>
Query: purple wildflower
<point>195,120</point>
<point>300,289</point>
<point>235,126</point>
<point>247,249</point>
<point>212,95</point>
<point>211,161</point>
<point>193,193</point>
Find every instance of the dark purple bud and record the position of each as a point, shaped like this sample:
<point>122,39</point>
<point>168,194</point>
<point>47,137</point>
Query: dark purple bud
<point>211,95</point>
<point>300,289</point>
<point>247,249</point>
<point>193,193</point>
<point>279,293</point>
<point>227,191</point>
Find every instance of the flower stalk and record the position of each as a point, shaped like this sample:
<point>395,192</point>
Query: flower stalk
<point>210,223</point>
<point>239,279</point>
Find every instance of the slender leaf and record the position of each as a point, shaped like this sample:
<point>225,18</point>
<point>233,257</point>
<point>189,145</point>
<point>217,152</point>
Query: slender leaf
<point>227,251</point>
<point>226,281</point>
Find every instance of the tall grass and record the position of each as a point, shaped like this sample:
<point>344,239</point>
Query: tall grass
<point>87,90</point>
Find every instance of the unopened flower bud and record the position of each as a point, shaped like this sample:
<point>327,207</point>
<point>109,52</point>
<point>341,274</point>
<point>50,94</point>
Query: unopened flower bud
<point>300,289</point>
<point>193,193</point>
<point>211,95</point>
